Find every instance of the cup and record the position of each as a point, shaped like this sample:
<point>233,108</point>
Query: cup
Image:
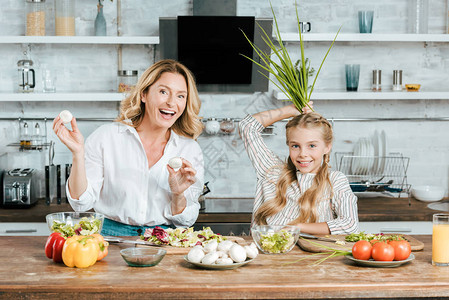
<point>48,80</point>
<point>440,240</point>
<point>366,21</point>
<point>305,27</point>
<point>352,77</point>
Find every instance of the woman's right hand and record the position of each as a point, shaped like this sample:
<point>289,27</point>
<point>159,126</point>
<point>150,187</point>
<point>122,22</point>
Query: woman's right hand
<point>73,139</point>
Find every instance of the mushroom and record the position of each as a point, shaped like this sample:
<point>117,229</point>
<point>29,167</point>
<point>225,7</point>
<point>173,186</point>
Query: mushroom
<point>224,261</point>
<point>175,162</point>
<point>237,253</point>
<point>251,251</point>
<point>66,116</point>
<point>225,246</point>
<point>211,246</point>
<point>210,258</point>
<point>196,254</point>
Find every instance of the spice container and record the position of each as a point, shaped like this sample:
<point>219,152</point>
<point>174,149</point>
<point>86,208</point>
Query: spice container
<point>25,138</point>
<point>377,80</point>
<point>35,17</point>
<point>65,17</point>
<point>227,126</point>
<point>397,80</point>
<point>126,80</point>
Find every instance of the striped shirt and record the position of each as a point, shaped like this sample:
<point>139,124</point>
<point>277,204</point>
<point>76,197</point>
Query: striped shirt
<point>340,212</point>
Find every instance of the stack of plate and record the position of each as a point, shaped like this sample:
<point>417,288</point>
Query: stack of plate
<point>369,155</point>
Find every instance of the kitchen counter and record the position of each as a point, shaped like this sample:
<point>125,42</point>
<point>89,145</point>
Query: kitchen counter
<point>32,275</point>
<point>239,211</point>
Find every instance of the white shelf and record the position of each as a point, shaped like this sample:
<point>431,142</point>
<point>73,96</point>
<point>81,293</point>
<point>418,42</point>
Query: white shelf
<point>94,96</point>
<point>365,37</point>
<point>137,40</point>
<point>369,95</point>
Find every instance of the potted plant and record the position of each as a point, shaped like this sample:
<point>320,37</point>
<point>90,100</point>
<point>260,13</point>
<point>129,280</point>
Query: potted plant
<point>291,78</point>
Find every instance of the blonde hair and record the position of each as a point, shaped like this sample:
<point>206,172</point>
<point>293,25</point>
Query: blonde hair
<point>309,200</point>
<point>132,108</point>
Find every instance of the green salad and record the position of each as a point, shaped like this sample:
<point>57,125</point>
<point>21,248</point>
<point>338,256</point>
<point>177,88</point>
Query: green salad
<point>362,236</point>
<point>86,226</point>
<point>278,242</point>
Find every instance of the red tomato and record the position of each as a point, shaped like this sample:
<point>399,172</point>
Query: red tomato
<point>362,250</point>
<point>382,252</point>
<point>373,242</point>
<point>402,249</point>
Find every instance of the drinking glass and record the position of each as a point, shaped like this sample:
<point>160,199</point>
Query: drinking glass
<point>352,77</point>
<point>49,80</point>
<point>366,21</point>
<point>440,240</point>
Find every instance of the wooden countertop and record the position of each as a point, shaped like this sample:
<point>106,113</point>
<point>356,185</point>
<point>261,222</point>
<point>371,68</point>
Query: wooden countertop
<point>26,273</point>
<point>370,209</point>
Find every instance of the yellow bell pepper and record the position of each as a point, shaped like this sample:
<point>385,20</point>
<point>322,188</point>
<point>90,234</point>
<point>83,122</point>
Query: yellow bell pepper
<point>80,251</point>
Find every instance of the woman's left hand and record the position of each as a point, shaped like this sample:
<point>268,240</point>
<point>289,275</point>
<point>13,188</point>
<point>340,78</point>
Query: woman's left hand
<point>181,180</point>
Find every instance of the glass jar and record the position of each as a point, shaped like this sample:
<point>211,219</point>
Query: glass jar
<point>35,10</point>
<point>65,17</point>
<point>126,80</point>
<point>227,126</point>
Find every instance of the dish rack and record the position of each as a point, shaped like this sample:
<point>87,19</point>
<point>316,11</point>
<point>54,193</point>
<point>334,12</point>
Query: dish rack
<point>381,174</point>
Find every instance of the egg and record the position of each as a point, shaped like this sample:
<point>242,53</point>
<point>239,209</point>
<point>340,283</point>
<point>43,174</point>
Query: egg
<point>237,253</point>
<point>66,116</point>
<point>175,162</point>
<point>211,246</point>
<point>210,258</point>
<point>225,246</point>
<point>196,254</point>
<point>224,261</point>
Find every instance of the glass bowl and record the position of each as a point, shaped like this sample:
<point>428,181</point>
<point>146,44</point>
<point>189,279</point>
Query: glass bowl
<point>70,222</point>
<point>275,239</point>
<point>142,257</point>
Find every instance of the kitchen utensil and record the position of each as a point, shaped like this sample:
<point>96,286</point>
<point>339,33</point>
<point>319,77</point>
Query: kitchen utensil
<point>428,193</point>
<point>142,257</point>
<point>50,176</point>
<point>114,239</point>
<point>380,264</point>
<point>275,239</point>
<point>218,266</point>
<point>319,238</point>
<point>377,80</point>
<point>73,218</point>
<point>383,138</point>
<point>19,188</point>
<point>440,240</point>
<point>397,80</point>
<point>48,80</point>
<point>412,87</point>
<point>27,79</point>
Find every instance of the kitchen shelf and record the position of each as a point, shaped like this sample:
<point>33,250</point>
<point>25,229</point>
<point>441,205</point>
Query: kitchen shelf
<point>93,96</point>
<point>369,95</point>
<point>113,40</point>
<point>365,37</point>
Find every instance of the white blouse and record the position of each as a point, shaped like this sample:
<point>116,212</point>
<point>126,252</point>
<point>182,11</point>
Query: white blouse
<point>124,189</point>
<point>340,212</point>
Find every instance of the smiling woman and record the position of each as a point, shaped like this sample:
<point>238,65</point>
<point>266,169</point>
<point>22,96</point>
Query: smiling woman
<point>123,171</point>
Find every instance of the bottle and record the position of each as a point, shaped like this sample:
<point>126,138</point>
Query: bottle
<point>100,22</point>
<point>36,140</point>
<point>25,136</point>
<point>35,17</point>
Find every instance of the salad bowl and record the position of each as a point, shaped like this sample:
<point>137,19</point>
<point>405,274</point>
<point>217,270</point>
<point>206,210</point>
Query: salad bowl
<point>275,239</point>
<point>71,223</point>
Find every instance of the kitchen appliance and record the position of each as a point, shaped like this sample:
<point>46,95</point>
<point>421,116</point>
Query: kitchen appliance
<point>19,188</point>
<point>27,80</point>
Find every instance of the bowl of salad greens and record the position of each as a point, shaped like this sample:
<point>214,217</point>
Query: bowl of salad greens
<point>75,223</point>
<point>275,239</point>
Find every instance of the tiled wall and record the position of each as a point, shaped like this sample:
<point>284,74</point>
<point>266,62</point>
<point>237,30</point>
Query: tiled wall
<point>93,68</point>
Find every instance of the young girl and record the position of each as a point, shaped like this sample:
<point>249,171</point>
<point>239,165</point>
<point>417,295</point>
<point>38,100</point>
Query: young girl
<point>303,191</point>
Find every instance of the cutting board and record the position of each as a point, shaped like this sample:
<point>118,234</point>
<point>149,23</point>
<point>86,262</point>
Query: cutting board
<point>310,244</point>
<point>180,250</point>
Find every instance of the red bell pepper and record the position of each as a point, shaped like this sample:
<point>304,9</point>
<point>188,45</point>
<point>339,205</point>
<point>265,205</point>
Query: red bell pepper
<point>54,246</point>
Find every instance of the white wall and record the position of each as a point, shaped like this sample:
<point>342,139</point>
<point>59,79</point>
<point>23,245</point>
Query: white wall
<point>93,68</point>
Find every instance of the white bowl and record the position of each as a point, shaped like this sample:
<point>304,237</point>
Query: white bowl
<point>428,193</point>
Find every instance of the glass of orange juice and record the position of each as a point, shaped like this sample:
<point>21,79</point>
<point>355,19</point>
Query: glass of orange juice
<point>440,240</point>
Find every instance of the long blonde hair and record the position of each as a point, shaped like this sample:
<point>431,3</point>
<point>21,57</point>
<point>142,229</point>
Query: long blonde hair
<point>309,200</point>
<point>132,108</point>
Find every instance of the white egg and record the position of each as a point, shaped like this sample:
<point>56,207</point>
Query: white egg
<point>251,252</point>
<point>210,258</point>
<point>175,162</point>
<point>237,253</point>
<point>211,246</point>
<point>196,254</point>
<point>224,261</point>
<point>66,116</point>
<point>225,246</point>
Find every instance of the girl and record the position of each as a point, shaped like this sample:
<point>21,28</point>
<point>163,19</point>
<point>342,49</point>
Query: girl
<point>122,171</point>
<point>303,191</point>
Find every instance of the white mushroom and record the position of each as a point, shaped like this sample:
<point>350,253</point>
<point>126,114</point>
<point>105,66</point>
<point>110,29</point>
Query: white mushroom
<point>66,116</point>
<point>210,258</point>
<point>237,253</point>
<point>211,246</point>
<point>224,261</point>
<point>225,246</point>
<point>196,254</point>
<point>251,251</point>
<point>222,254</point>
<point>175,162</point>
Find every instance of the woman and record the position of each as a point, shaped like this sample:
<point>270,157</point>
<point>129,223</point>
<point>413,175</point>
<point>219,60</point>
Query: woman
<point>303,191</point>
<point>122,170</point>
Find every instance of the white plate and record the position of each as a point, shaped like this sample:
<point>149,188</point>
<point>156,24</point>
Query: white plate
<point>383,138</point>
<point>355,160</point>
<point>370,154</point>
<point>375,142</point>
<point>219,267</point>
<point>362,159</point>
<point>380,264</point>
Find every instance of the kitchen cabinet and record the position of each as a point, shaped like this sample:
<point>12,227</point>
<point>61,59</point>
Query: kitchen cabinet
<point>24,229</point>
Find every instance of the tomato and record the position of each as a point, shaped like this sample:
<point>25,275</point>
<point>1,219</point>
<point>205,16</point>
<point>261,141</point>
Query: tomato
<point>362,250</point>
<point>382,252</point>
<point>402,249</point>
<point>373,241</point>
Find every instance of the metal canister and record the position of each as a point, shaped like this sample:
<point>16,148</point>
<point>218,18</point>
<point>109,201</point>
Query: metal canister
<point>397,80</point>
<point>377,80</point>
